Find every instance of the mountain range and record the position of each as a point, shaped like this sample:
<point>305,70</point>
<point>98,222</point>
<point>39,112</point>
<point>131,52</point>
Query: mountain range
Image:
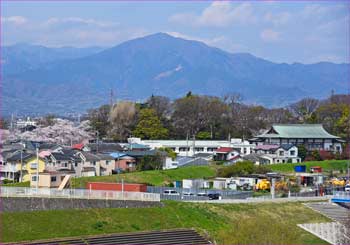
<point>38,79</point>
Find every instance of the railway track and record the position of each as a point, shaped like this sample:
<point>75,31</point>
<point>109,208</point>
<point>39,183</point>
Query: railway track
<point>178,236</point>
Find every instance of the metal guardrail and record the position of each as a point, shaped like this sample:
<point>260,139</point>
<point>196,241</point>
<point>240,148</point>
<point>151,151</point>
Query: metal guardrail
<point>78,193</point>
<point>341,196</point>
<point>181,193</point>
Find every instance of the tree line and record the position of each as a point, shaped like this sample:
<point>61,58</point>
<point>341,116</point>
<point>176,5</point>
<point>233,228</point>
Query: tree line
<point>210,117</point>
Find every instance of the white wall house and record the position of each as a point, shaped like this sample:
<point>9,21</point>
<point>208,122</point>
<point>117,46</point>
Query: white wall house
<point>192,147</point>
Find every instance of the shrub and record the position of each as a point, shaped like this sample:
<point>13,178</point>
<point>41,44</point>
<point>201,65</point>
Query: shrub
<point>243,168</point>
<point>316,155</point>
<point>99,225</point>
<point>302,152</point>
<point>326,155</point>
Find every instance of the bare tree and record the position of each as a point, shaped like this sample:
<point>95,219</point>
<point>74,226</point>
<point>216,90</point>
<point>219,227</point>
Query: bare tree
<point>304,108</point>
<point>161,105</point>
<point>122,118</point>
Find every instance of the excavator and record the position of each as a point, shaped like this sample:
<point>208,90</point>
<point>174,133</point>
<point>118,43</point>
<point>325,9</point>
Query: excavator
<point>263,184</point>
<point>337,182</point>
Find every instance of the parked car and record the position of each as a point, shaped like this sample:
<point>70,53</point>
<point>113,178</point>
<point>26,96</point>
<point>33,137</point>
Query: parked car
<point>347,188</point>
<point>187,194</point>
<point>171,193</point>
<point>201,194</point>
<point>214,196</point>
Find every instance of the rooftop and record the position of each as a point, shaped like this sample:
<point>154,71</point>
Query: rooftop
<point>301,131</point>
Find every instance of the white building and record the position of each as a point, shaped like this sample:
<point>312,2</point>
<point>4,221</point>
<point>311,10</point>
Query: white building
<point>25,123</point>
<point>278,153</point>
<point>192,147</point>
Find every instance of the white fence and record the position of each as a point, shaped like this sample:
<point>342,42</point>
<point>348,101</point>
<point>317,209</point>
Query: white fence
<point>78,193</point>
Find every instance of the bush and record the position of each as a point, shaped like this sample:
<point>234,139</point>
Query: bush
<point>326,155</point>
<point>99,225</point>
<point>7,181</point>
<point>302,152</point>
<point>316,155</point>
<point>242,168</point>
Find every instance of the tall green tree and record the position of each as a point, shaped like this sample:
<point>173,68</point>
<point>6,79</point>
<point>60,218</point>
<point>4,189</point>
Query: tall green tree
<point>149,126</point>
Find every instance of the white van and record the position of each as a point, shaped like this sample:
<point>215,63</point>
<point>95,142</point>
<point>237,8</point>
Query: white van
<point>171,193</point>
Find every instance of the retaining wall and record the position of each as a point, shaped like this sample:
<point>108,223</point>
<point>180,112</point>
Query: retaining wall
<point>17,204</point>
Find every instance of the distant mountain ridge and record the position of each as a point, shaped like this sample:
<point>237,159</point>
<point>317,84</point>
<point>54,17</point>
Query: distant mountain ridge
<point>163,65</point>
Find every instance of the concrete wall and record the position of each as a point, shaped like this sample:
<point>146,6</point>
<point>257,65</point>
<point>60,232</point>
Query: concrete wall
<point>17,204</point>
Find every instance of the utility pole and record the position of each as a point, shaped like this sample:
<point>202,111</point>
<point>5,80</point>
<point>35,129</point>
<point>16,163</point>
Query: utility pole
<point>37,168</point>
<point>21,177</point>
<point>187,144</point>
<point>194,144</point>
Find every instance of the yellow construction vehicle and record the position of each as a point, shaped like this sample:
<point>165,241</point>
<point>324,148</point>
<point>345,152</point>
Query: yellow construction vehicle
<point>263,184</point>
<point>337,182</point>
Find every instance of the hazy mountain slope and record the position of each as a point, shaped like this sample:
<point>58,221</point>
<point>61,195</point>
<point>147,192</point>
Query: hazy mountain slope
<point>164,65</point>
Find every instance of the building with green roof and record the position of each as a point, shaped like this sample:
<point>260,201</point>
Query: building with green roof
<point>313,136</point>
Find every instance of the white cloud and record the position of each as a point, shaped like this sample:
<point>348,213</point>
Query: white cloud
<point>68,31</point>
<point>268,35</point>
<point>317,12</point>
<point>219,41</point>
<point>182,18</point>
<point>278,18</point>
<point>218,14</point>
<point>16,20</point>
<point>74,21</point>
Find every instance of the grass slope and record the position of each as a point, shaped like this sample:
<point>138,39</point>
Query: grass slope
<point>268,223</point>
<point>326,165</point>
<point>155,177</point>
<point>18,184</point>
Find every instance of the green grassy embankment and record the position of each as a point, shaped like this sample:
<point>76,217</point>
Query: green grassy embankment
<point>18,184</point>
<point>165,177</point>
<point>268,223</point>
<point>154,177</point>
<point>326,165</point>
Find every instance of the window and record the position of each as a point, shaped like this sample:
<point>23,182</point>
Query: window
<point>34,178</point>
<point>184,149</point>
<point>76,164</point>
<point>33,165</point>
<point>94,163</point>
<point>53,179</point>
<point>245,150</point>
<point>65,164</point>
<point>108,162</point>
<point>281,153</point>
<point>292,153</point>
<point>199,149</point>
<point>211,149</point>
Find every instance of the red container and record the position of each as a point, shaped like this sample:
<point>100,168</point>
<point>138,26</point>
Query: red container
<point>316,169</point>
<point>116,186</point>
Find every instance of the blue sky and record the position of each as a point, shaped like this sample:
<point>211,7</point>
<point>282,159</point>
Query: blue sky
<point>306,32</point>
